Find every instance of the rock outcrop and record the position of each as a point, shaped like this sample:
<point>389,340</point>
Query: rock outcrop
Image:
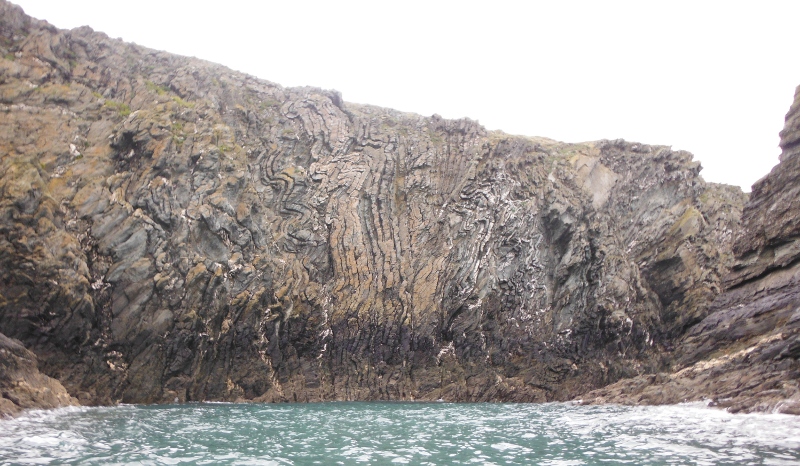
<point>746,354</point>
<point>174,230</point>
<point>22,386</point>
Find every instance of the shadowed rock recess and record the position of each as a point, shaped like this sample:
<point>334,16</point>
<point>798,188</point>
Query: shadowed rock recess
<point>174,230</point>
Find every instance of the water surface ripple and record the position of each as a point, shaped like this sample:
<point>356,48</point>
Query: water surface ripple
<point>402,433</point>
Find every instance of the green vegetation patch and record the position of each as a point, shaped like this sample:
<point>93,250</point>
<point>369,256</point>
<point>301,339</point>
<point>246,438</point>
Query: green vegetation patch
<point>121,108</point>
<point>435,137</point>
<point>269,102</point>
<point>182,103</point>
<point>160,90</point>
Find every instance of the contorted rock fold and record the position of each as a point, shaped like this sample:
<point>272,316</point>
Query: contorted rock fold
<point>174,230</point>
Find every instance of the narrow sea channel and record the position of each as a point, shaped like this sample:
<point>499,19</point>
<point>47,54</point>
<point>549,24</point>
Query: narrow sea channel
<point>399,433</point>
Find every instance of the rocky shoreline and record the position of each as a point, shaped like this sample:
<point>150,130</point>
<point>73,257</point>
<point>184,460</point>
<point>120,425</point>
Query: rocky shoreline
<point>744,355</point>
<point>171,229</point>
<point>22,385</point>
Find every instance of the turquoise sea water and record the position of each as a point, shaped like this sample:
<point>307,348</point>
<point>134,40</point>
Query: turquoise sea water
<point>399,433</point>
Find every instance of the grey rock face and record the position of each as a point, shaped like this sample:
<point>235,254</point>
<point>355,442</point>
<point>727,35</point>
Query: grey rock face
<point>171,229</point>
<point>744,355</point>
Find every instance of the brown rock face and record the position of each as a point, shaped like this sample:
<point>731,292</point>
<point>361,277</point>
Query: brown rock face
<point>22,386</point>
<point>171,229</point>
<point>744,355</point>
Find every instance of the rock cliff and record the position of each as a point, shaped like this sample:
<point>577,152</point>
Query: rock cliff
<point>174,230</point>
<point>745,354</point>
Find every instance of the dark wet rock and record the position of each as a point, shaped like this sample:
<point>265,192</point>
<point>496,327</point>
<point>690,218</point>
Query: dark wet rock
<point>174,230</point>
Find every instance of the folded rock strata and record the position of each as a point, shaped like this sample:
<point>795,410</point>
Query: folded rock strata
<point>174,230</point>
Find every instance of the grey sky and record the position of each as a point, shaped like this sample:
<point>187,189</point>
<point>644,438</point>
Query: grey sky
<point>713,78</point>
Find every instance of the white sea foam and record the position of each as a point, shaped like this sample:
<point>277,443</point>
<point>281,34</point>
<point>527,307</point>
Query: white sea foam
<point>399,433</point>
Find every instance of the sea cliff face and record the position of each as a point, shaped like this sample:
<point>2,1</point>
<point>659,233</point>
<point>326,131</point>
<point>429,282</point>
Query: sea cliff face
<point>174,230</point>
<point>744,355</point>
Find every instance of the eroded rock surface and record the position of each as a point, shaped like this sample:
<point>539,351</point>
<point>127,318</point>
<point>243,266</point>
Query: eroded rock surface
<point>22,386</point>
<point>744,355</point>
<point>174,230</point>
